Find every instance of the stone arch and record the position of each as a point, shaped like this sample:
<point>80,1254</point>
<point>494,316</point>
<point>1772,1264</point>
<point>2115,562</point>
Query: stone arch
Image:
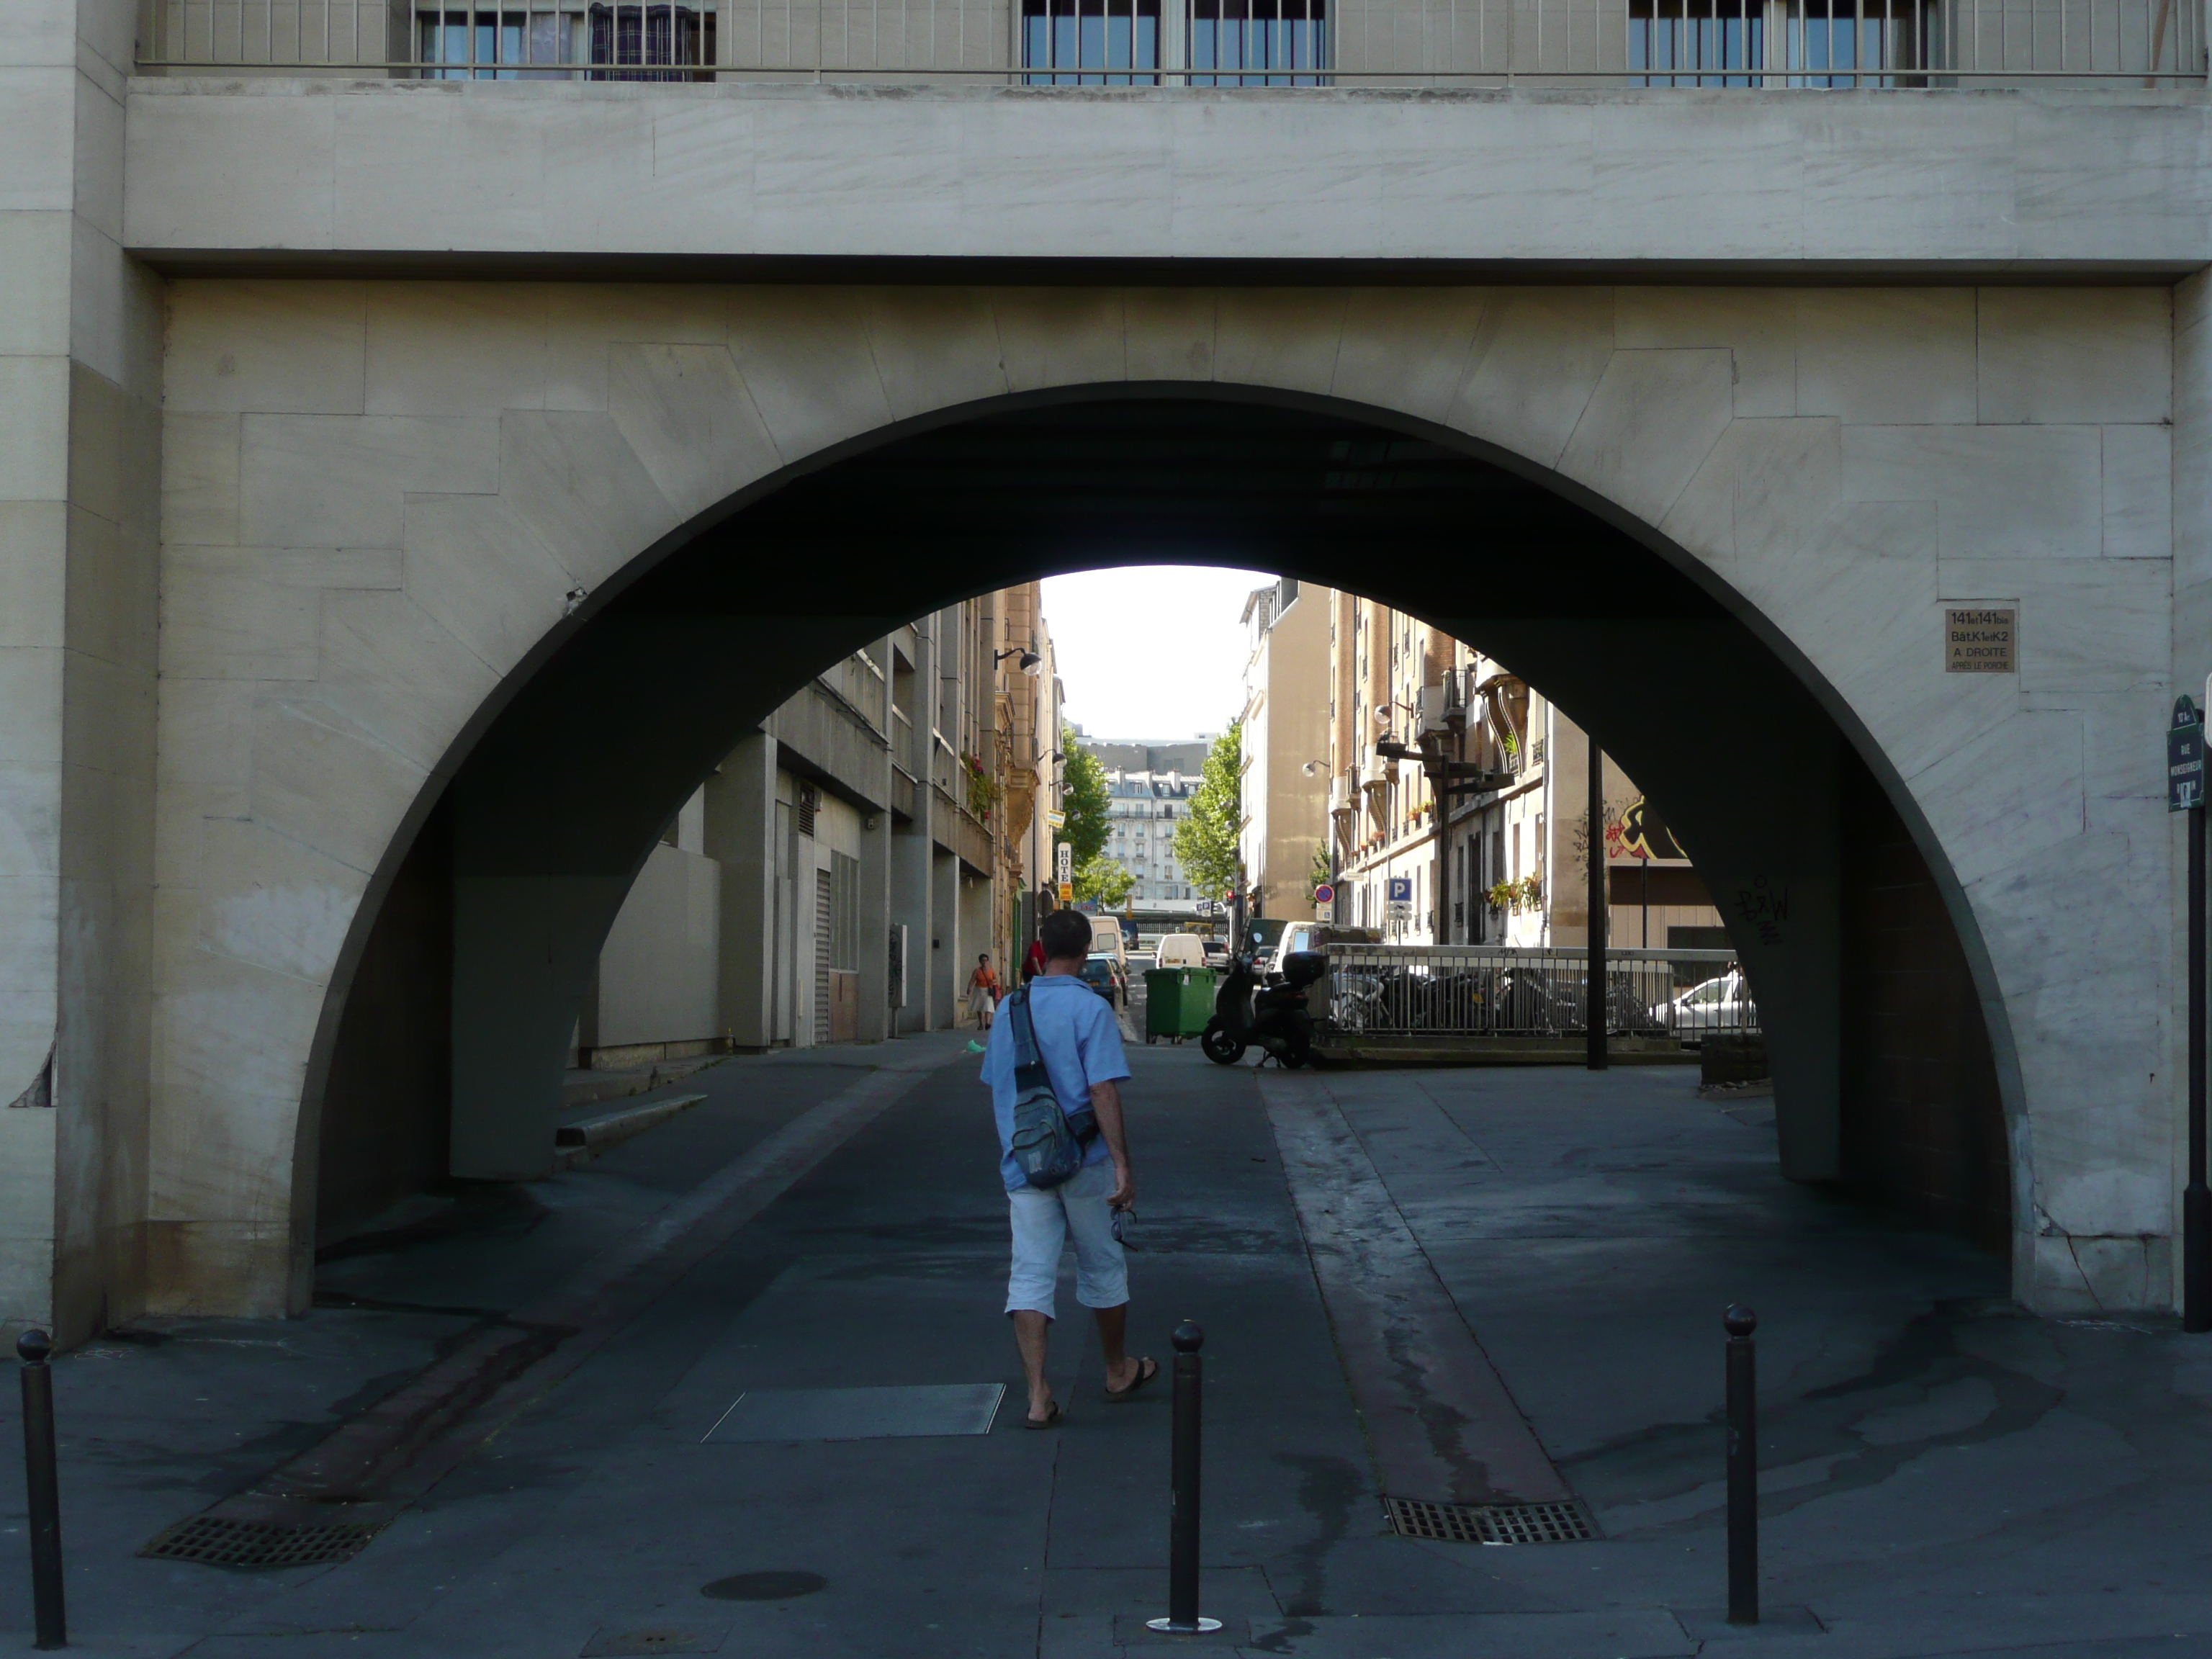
<point>1662,414</point>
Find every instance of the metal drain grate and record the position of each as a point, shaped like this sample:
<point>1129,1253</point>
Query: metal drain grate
<point>1492,1523</point>
<point>215,1542</point>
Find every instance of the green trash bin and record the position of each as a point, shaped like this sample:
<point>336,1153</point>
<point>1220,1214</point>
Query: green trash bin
<point>1178,1002</point>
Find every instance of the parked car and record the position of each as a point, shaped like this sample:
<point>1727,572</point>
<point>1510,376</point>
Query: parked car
<point>1181,950</point>
<point>1297,936</point>
<point>1106,939</point>
<point>1103,973</point>
<point>1217,953</point>
<point>1723,1003</point>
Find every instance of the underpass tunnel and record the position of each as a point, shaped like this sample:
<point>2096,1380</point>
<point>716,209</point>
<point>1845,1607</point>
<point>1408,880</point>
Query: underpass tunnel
<point>447,1031</point>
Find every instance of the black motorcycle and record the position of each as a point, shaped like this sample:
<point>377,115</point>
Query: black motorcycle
<point>1274,1016</point>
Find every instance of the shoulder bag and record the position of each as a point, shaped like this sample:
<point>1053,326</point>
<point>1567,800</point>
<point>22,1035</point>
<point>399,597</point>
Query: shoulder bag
<point>1049,1141</point>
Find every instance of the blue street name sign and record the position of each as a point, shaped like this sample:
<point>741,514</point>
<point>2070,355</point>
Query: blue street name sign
<point>2184,758</point>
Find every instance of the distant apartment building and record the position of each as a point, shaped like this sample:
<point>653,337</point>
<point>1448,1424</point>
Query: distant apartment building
<point>1285,786</point>
<point>836,878</point>
<point>1144,809</point>
<point>1498,853</point>
<point>1149,783</point>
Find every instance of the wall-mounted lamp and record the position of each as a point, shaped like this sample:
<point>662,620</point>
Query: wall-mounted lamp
<point>1030,663</point>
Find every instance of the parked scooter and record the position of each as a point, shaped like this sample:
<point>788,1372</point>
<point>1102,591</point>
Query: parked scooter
<point>1272,1016</point>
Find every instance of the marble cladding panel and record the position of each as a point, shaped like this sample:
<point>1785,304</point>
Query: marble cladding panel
<point>1280,337</point>
<point>1067,337</point>
<point>1537,174</point>
<point>471,561</point>
<point>34,573</point>
<point>267,349</point>
<point>1653,418</point>
<point>804,359</point>
<point>343,587</point>
<point>935,348</point>
<point>2074,356</point>
<point>1384,329</point>
<point>34,273</point>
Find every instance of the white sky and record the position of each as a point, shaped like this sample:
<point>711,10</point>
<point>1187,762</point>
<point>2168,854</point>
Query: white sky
<point>1151,651</point>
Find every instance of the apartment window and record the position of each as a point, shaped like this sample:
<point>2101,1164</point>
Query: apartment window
<point>1092,43</point>
<point>1261,43</point>
<point>1825,43</point>
<point>657,39</point>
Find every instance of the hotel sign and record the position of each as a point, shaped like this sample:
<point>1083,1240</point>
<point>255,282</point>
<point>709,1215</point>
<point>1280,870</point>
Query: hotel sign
<point>1980,639</point>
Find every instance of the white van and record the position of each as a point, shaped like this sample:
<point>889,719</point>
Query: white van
<point>1181,950</point>
<point>1106,939</point>
<point>1299,936</point>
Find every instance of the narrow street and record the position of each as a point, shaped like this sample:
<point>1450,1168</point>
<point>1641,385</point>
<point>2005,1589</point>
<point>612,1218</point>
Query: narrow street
<point>1944,1473</point>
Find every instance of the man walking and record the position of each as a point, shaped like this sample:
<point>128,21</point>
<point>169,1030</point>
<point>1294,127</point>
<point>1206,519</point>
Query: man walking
<point>1081,1044</point>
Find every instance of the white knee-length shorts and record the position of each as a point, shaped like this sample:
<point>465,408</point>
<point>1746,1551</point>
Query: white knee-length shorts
<point>1042,1222</point>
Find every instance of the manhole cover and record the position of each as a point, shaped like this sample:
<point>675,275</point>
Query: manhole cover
<point>659,1639</point>
<point>216,1542</point>
<point>764,1586</point>
<point>1492,1523</point>
<point>858,1413</point>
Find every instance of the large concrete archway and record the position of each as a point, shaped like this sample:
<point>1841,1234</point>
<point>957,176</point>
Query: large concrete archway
<point>1758,518</point>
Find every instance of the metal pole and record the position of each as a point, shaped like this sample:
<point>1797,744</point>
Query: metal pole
<point>1594,1012</point>
<point>1740,1323</point>
<point>2196,1200</point>
<point>1182,1618</point>
<point>41,1477</point>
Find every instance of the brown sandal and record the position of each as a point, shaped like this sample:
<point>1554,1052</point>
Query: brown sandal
<point>1148,1369</point>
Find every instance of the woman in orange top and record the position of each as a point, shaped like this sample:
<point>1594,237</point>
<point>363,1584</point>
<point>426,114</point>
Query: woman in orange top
<point>983,992</point>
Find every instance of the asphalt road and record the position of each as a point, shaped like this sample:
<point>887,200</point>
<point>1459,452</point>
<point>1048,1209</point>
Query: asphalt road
<point>1944,1475</point>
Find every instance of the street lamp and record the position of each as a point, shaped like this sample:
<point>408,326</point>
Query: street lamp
<point>1030,663</point>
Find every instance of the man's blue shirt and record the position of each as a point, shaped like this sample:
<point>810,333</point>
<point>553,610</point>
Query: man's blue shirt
<point>1081,1044</point>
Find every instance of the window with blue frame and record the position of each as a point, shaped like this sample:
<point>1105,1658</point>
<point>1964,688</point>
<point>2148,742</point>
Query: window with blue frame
<point>1823,43</point>
<point>1090,43</point>
<point>1696,43</point>
<point>643,42</point>
<point>1258,42</point>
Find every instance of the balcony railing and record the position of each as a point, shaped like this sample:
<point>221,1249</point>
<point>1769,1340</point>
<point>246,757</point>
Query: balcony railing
<point>1494,991</point>
<point>1811,43</point>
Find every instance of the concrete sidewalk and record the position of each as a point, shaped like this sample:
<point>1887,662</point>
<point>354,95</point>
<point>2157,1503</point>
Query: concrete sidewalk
<point>1945,1476</point>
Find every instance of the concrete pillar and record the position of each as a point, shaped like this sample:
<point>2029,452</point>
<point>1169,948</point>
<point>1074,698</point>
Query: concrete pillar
<point>912,907</point>
<point>79,400</point>
<point>954,943</point>
<point>1757,811</point>
<point>913,887</point>
<point>524,949</point>
<point>875,924</point>
<point>741,837</point>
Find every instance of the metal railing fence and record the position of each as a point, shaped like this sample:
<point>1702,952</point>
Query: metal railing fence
<point>1505,991</point>
<point>1811,43</point>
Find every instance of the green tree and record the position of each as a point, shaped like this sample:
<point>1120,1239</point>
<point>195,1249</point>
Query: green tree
<point>1105,880</point>
<point>1317,873</point>
<point>1083,801</point>
<point>1206,840</point>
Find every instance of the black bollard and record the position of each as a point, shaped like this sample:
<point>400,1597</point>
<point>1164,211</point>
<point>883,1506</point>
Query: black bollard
<point>1743,1468</point>
<point>1182,1618</point>
<point>41,1477</point>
